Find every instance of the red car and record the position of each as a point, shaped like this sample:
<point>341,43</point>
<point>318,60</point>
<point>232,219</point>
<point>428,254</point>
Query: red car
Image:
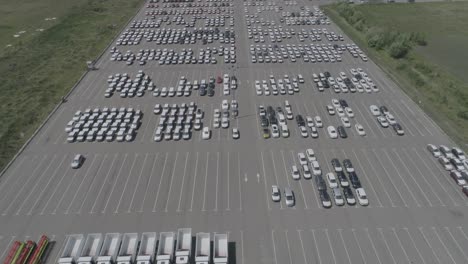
<point>219,79</point>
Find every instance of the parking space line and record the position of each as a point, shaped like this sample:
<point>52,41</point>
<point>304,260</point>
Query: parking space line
<point>375,122</point>
<point>258,121</point>
<point>422,176</point>
<point>137,183</point>
<point>103,183</point>
<point>302,246</point>
<point>378,179</point>
<point>79,186</point>
<point>91,184</point>
<point>64,193</point>
<point>217,180</point>
<point>126,182</point>
<point>372,244</point>
<point>8,246</point>
<point>206,177</point>
<point>344,244</point>
<point>194,182</point>
<point>427,242</point>
<point>414,244</point>
<point>55,190</point>
<point>367,123</point>
<point>415,116</point>
<point>300,183</point>
<point>183,181</point>
<point>115,183</point>
<point>239,176</point>
<point>401,245</point>
<point>242,246</point>
<point>289,247</point>
<point>265,181</point>
<point>50,124</point>
<point>24,185</point>
<point>159,185</point>
<point>456,243</point>
<point>228,180</point>
<point>359,246</point>
<point>60,250</point>
<point>386,244</point>
<point>152,115</point>
<point>5,182</point>
<point>316,246</point>
<point>274,246</point>
<point>274,168</point>
<point>443,244</point>
<point>172,179</point>
<point>330,244</point>
<point>388,176</point>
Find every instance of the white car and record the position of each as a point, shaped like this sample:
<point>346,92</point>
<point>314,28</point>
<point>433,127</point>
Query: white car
<point>340,111</point>
<point>390,118</point>
<point>206,133</point>
<point>331,179</point>
<point>330,110</point>
<point>336,103</point>
<point>275,193</point>
<point>307,174</point>
<point>289,197</point>
<point>225,122</point>
<point>303,130</point>
<point>360,129</point>
<point>445,163</point>
<point>457,177</point>
<point>296,175</point>
<point>314,132</point>
<point>338,196</point>
<point>332,132</point>
<point>434,150</point>
<point>157,109</point>
<point>318,121</point>
<point>302,158</point>
<point>284,131</point>
<point>258,89</point>
<point>310,155</point>
<point>346,122</point>
<point>316,168</point>
<point>235,133</point>
<point>362,197</point>
<point>382,121</point>
<point>310,121</point>
<point>349,112</point>
<point>225,105</point>
<point>374,110</point>
<point>275,131</point>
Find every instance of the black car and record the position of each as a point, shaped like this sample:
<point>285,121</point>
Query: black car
<point>326,84</point>
<point>300,120</point>
<point>211,92</point>
<point>327,74</point>
<point>342,179</point>
<point>202,92</point>
<point>348,165</point>
<point>325,198</point>
<point>336,164</point>
<point>342,132</point>
<point>349,196</point>
<point>383,109</point>
<point>264,121</point>
<point>279,110</point>
<point>211,85</point>
<point>355,182</point>
<point>320,182</point>
<point>273,120</point>
<point>343,103</point>
<point>398,129</point>
<point>270,110</point>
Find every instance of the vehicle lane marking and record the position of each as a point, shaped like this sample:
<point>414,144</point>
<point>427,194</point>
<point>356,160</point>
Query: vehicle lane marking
<point>159,185</point>
<point>401,245</point>
<point>172,179</point>
<point>115,183</point>
<point>10,243</point>
<point>126,182</point>
<point>137,183</point>
<point>183,181</point>
<point>274,246</point>
<point>103,183</point>
<point>55,190</point>
<point>266,189</point>
<point>359,246</point>
<point>289,247</point>
<point>228,180</point>
<point>344,244</point>
<point>375,122</point>
<point>316,246</point>
<point>88,189</point>
<point>206,177</point>
<point>443,244</point>
<point>367,123</point>
<point>217,180</point>
<point>64,193</point>
<point>240,187</point>
<point>302,246</point>
<point>414,244</point>
<point>194,182</point>
<point>372,244</point>
<point>330,244</point>
<point>386,244</point>
<point>456,243</point>
<point>427,242</point>
<point>242,246</point>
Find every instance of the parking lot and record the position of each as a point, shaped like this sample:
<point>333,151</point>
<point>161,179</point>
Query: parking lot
<point>415,212</point>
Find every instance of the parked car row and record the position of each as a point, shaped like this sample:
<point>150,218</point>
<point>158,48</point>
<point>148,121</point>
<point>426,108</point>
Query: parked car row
<point>104,124</point>
<point>276,120</point>
<point>308,53</point>
<point>276,86</point>
<point>221,118</point>
<point>177,121</point>
<point>278,33</point>
<point>386,119</point>
<point>127,87</point>
<point>345,113</point>
<point>359,82</point>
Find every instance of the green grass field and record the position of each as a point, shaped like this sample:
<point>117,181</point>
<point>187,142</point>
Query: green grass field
<point>42,67</point>
<point>434,74</point>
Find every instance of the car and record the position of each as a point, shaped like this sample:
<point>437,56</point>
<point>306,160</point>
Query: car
<point>325,199</point>
<point>266,133</point>
<point>331,179</point>
<point>346,122</point>
<point>338,196</point>
<point>302,158</point>
<point>362,197</point>
<point>284,131</point>
<point>330,110</point>
<point>458,153</point>
<point>446,151</point>
<point>321,185</point>
<point>303,131</point>
<point>434,150</point>
<point>382,121</point>
<point>310,121</point>
<point>348,165</point>
<point>342,179</point>
<point>275,131</point>
<point>375,110</point>
<point>314,132</point>
<point>318,121</point>
<point>457,164</point>
<point>316,168</point>
<point>340,111</point>
<point>457,177</point>
<point>225,105</point>
<point>336,165</point>
<point>275,193</point>
<point>384,110</point>
<point>235,133</point>
<point>306,170</point>
<point>332,132</point>
<point>336,103</point>
<point>445,162</point>
<point>390,118</point>
<point>310,155</point>
<point>264,121</point>
<point>360,129</point>
<point>349,112</point>
<point>300,120</point>
<point>224,122</point>
<point>289,197</point>
<point>465,190</point>
<point>354,179</point>
<point>342,132</point>
<point>398,129</point>
<point>206,133</point>
<point>77,161</point>
<point>349,196</point>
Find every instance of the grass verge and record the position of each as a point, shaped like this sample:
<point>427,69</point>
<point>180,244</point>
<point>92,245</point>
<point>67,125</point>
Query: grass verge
<point>436,89</point>
<point>37,72</point>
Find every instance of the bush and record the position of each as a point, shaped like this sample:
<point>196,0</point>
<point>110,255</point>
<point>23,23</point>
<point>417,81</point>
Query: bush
<point>398,49</point>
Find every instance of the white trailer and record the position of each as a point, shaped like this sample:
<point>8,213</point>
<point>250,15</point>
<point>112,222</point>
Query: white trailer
<point>128,249</point>
<point>110,248</point>
<point>184,245</point>
<point>202,248</point>
<point>147,248</point>
<point>72,249</point>
<point>91,249</point>
<point>220,250</point>
<point>165,248</point>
